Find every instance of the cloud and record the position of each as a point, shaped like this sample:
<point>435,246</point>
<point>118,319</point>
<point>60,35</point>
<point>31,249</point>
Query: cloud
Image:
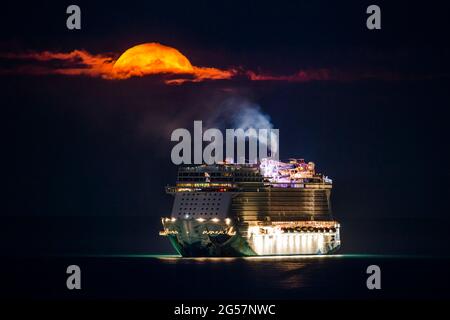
<point>154,59</point>
<point>139,61</point>
<point>299,76</point>
<point>76,62</point>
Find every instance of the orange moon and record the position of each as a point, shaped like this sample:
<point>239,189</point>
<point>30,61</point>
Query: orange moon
<point>154,58</point>
<point>151,58</point>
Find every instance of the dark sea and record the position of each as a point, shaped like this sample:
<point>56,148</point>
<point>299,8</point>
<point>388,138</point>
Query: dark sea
<point>129,260</point>
<point>173,277</point>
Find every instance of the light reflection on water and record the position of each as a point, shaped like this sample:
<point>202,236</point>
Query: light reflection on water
<point>291,272</point>
<point>230,259</point>
<point>276,277</point>
<point>169,257</point>
<point>287,272</point>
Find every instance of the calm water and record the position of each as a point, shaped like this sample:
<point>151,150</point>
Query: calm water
<point>36,252</point>
<point>172,277</point>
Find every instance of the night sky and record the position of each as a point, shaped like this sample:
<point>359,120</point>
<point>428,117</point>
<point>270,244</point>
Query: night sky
<point>85,160</point>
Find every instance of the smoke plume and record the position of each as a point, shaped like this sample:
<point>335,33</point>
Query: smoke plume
<point>240,113</point>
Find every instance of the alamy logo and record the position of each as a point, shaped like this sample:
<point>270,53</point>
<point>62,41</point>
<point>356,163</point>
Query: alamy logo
<point>74,20</point>
<point>374,280</point>
<point>261,143</point>
<point>74,280</point>
<point>373,22</point>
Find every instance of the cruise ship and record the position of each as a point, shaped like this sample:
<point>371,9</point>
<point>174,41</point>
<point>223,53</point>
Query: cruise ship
<point>265,209</point>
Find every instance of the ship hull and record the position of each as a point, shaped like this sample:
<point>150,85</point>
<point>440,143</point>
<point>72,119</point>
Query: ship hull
<point>191,238</point>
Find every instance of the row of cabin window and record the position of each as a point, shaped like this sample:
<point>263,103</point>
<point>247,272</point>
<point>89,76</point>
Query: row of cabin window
<point>236,179</point>
<point>205,194</point>
<point>185,209</point>
<point>218,174</point>
<point>201,213</point>
<point>203,204</point>
<point>209,199</point>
